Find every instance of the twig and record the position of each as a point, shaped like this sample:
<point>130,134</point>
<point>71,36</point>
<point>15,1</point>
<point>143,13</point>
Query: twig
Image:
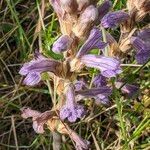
<point>14,131</point>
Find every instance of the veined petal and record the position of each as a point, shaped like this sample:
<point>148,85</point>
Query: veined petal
<point>57,7</point>
<point>38,118</point>
<point>62,44</point>
<point>94,41</point>
<point>113,19</point>
<point>103,9</point>
<point>144,35</point>
<point>32,79</point>
<point>89,93</point>
<point>99,81</point>
<point>71,110</point>
<point>35,67</point>
<point>79,85</point>
<point>108,66</point>
<point>142,50</point>
<point>100,94</point>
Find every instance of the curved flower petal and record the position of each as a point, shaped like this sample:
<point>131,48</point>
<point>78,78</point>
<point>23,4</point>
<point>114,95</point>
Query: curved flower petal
<point>94,41</point>
<point>62,44</point>
<point>35,67</point>
<point>38,118</point>
<point>113,19</point>
<point>32,79</point>
<point>100,94</point>
<point>108,66</point>
<point>71,110</point>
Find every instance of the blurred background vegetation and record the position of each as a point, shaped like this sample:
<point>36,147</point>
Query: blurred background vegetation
<point>27,25</point>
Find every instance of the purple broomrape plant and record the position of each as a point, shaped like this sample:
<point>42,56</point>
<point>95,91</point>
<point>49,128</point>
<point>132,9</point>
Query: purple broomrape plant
<point>113,19</point>
<point>71,110</point>
<point>35,67</point>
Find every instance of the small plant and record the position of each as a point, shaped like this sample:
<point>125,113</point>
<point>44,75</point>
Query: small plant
<point>83,25</point>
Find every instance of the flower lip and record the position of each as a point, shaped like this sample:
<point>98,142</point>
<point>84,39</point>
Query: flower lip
<point>108,66</point>
<point>35,67</point>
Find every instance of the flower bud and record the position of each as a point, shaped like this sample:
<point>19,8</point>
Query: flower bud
<point>70,6</point>
<point>113,19</point>
<point>62,44</point>
<point>103,9</point>
<point>85,21</point>
<point>82,4</point>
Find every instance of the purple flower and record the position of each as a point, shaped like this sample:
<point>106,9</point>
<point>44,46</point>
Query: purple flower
<point>100,94</point>
<point>103,9</point>
<point>113,19</point>
<point>128,89</point>
<point>71,110</point>
<point>81,144</point>
<point>108,66</point>
<point>38,118</point>
<point>99,81</point>
<point>79,85</point>
<point>35,67</point>
<point>144,35</point>
<point>142,50</point>
<point>62,44</point>
<point>94,41</point>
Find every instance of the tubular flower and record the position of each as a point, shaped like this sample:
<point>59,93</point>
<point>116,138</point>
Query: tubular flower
<point>108,66</point>
<point>71,110</point>
<point>62,44</point>
<point>103,9</point>
<point>99,81</point>
<point>35,67</point>
<point>142,50</point>
<point>38,118</point>
<point>113,19</point>
<point>128,89</point>
<point>94,41</point>
<point>100,94</point>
